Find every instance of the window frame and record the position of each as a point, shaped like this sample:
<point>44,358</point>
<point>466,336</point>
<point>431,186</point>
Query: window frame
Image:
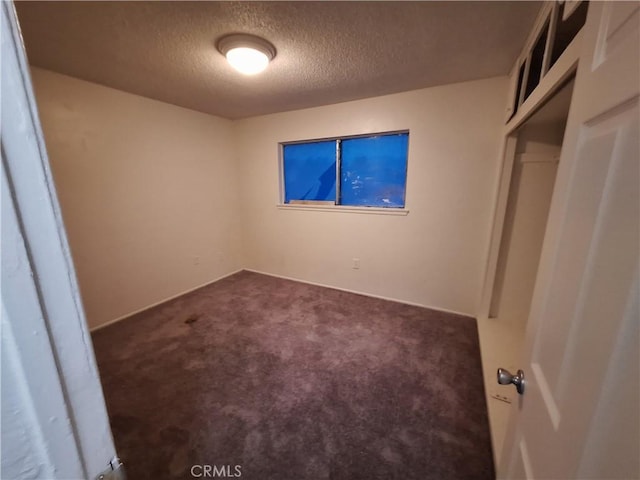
<point>325,205</point>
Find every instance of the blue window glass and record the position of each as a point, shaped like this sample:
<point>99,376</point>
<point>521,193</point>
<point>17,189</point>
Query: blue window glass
<point>374,171</point>
<point>310,171</point>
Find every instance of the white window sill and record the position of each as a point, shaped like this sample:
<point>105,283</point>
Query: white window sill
<point>341,208</point>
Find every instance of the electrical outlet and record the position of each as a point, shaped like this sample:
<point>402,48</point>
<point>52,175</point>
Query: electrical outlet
<point>196,260</point>
<point>356,264</point>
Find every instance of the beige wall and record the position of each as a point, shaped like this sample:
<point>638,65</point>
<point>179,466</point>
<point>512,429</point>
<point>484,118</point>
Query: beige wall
<point>158,199</point>
<point>146,189</point>
<point>436,255</point>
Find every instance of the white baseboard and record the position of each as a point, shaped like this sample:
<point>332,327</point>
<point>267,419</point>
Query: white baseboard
<point>123,317</point>
<point>381,297</point>
<point>390,299</point>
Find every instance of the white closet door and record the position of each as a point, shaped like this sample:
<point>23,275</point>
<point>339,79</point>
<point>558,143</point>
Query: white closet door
<point>578,417</point>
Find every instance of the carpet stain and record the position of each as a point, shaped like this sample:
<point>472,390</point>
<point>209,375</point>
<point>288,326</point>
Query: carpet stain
<point>192,318</point>
<point>294,381</point>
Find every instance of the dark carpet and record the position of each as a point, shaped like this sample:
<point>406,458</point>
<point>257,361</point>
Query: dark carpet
<point>275,379</point>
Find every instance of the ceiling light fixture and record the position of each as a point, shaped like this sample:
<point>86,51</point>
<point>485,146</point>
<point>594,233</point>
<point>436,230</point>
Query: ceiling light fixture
<point>247,53</point>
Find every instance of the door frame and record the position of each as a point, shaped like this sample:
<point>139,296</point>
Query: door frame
<point>40,288</point>
<point>564,68</point>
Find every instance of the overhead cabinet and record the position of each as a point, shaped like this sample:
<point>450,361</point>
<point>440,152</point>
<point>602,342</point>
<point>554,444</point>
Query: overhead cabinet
<point>557,26</point>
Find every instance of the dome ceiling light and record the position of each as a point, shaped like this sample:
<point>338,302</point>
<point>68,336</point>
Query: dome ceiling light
<point>247,53</point>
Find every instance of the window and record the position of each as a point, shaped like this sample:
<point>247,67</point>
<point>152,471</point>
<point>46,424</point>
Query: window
<point>365,171</point>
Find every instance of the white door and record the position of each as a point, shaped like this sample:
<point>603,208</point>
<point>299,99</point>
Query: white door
<point>578,417</point>
<point>54,419</point>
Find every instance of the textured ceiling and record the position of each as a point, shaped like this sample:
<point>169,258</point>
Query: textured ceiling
<point>328,52</point>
